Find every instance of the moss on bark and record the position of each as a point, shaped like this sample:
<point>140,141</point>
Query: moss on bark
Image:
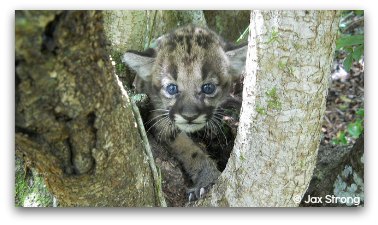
<point>73,122</point>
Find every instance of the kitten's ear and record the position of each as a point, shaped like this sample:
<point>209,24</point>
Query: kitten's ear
<point>140,62</point>
<point>237,58</point>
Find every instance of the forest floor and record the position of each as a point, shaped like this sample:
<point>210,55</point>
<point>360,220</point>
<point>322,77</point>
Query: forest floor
<point>345,104</point>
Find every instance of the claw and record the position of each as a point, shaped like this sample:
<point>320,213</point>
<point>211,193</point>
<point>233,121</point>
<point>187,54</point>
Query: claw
<point>202,192</point>
<point>191,197</point>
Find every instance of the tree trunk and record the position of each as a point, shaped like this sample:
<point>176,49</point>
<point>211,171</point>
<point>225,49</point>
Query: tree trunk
<point>284,96</point>
<point>74,121</point>
<point>229,24</point>
<point>168,20</point>
<point>125,30</point>
<point>165,21</point>
<point>339,172</point>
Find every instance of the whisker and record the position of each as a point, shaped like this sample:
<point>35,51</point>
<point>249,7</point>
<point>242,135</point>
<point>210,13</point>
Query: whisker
<point>205,131</point>
<point>163,130</point>
<point>158,116</point>
<point>221,113</point>
<point>173,128</point>
<point>155,123</point>
<point>211,130</point>
<point>221,120</point>
<point>168,128</point>
<point>220,128</point>
<point>214,127</point>
<point>219,138</point>
<point>220,117</point>
<point>164,110</point>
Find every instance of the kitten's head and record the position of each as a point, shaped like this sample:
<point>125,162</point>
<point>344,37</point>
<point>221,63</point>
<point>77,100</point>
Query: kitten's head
<point>188,75</point>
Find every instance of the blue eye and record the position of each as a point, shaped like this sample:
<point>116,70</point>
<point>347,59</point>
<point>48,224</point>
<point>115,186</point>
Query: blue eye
<point>172,89</point>
<point>208,88</point>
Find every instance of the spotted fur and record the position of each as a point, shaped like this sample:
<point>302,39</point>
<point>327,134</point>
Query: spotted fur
<point>187,77</point>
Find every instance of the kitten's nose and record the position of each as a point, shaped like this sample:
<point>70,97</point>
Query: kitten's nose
<point>189,113</point>
<point>189,117</point>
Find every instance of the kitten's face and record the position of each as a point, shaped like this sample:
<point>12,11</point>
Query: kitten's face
<point>189,77</point>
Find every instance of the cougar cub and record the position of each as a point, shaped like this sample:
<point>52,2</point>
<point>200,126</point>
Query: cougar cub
<point>187,77</point>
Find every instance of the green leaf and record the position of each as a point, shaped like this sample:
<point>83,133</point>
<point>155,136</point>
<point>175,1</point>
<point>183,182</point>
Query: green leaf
<point>348,49</point>
<point>241,37</point>
<point>335,141</point>
<point>260,110</point>
<point>358,52</point>
<point>349,41</point>
<point>359,12</point>
<point>360,112</point>
<point>348,62</point>
<point>344,98</point>
<point>344,106</point>
<point>342,138</point>
<point>272,93</point>
<point>355,129</point>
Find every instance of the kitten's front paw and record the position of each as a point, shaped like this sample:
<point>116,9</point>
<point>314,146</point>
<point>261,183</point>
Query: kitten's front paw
<point>203,181</point>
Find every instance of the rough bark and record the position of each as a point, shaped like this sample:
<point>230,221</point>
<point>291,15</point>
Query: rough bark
<point>168,20</point>
<point>339,172</point>
<point>284,96</point>
<point>136,29</point>
<point>165,21</point>
<point>229,24</point>
<point>74,121</point>
<point>126,30</point>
